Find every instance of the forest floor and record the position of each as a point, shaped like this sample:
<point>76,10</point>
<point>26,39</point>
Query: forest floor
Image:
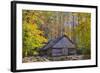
<point>34,59</point>
<point>44,59</point>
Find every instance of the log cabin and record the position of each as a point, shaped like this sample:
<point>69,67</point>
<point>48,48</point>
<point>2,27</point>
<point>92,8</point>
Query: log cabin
<point>61,46</point>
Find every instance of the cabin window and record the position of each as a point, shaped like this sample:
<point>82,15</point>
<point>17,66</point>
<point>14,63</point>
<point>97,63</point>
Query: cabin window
<point>56,52</point>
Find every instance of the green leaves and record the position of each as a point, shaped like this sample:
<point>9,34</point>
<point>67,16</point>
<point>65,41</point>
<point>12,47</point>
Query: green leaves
<point>83,31</point>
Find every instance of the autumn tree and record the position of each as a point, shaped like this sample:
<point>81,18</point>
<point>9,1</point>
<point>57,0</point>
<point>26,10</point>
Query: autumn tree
<point>33,38</point>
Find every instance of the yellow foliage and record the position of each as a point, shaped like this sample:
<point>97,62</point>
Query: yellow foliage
<point>32,37</point>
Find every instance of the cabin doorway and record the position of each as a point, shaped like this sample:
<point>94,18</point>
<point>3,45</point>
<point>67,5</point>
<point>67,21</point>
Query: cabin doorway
<point>65,51</point>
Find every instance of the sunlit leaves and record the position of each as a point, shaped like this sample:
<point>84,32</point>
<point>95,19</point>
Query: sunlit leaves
<point>33,37</point>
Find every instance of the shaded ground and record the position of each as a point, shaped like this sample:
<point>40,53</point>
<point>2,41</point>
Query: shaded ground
<point>45,59</point>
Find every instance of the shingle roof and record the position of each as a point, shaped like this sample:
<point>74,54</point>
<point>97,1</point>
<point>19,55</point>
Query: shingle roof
<point>64,42</point>
<point>60,42</point>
